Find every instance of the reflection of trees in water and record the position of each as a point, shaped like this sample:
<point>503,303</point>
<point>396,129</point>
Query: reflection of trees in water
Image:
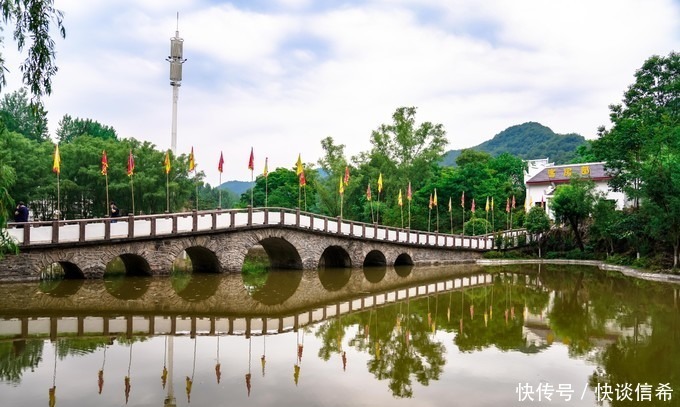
<point>17,356</point>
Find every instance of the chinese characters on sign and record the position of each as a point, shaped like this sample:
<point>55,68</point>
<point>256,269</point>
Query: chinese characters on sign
<point>603,392</point>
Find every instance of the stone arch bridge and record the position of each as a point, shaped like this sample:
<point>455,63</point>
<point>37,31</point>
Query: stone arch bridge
<point>218,241</point>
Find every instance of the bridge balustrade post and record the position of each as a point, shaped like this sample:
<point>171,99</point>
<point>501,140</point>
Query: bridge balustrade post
<point>325,224</point>
<point>351,228</point>
<point>297,217</point>
<point>213,219</point>
<point>153,226</point>
<point>375,231</point>
<point>408,235</point>
<point>131,226</point>
<point>55,231</point>
<point>282,219</point>
<point>174,224</point>
<point>232,219</point>
<point>266,216</point>
<point>250,215</point>
<point>311,222</point>
<point>27,234</point>
<point>81,231</point>
<point>107,228</point>
<point>363,230</point>
<point>194,221</point>
<point>339,221</point>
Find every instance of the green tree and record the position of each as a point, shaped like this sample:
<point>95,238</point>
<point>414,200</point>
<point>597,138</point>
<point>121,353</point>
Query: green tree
<point>20,117</point>
<point>573,203</point>
<point>537,223</point>
<point>70,128</point>
<point>32,20</point>
<point>643,125</point>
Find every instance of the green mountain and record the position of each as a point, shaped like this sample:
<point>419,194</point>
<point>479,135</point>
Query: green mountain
<point>237,187</point>
<point>527,141</point>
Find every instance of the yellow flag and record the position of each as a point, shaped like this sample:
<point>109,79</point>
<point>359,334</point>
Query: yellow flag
<point>298,169</point>
<point>450,208</point>
<point>56,165</point>
<point>342,186</point>
<point>380,183</point>
<point>400,201</point>
<point>434,200</point>
<point>487,204</point>
<point>166,162</point>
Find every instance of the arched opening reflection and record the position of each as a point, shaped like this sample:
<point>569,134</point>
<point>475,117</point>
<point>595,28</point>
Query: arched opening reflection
<point>335,257</point>
<point>333,279</point>
<point>194,287</point>
<point>127,287</point>
<point>375,258</point>
<point>273,287</point>
<point>403,271</point>
<point>62,279</point>
<point>375,274</point>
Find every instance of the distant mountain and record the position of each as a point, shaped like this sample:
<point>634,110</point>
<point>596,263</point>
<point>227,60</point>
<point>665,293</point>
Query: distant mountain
<point>237,187</point>
<point>527,141</point>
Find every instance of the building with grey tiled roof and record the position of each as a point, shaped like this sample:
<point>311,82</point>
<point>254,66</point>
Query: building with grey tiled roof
<point>542,177</point>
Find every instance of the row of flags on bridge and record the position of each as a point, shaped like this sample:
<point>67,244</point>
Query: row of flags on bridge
<point>300,173</point>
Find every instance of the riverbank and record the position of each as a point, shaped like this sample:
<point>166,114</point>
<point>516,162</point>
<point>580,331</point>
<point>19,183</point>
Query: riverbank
<point>625,270</point>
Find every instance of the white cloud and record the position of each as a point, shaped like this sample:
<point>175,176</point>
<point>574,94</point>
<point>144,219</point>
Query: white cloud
<point>283,78</point>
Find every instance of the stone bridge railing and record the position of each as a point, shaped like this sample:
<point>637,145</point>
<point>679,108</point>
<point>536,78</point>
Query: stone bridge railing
<point>145,227</point>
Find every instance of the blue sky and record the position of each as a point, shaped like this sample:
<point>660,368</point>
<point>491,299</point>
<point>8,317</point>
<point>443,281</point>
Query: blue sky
<point>279,76</point>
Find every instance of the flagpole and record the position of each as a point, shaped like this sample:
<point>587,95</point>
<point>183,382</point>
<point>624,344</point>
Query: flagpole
<point>266,182</point>
<point>132,194</point>
<point>436,229</point>
<point>167,192</point>
<point>219,204</point>
<point>429,218</point>
<point>58,198</point>
<point>409,214</point>
<point>252,188</point>
<point>305,196</point>
<point>401,208</point>
<point>197,191</point>
<point>106,178</point>
<point>377,210</point>
<point>299,194</point>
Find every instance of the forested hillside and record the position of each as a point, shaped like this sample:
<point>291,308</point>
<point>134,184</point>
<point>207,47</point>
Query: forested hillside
<point>528,141</point>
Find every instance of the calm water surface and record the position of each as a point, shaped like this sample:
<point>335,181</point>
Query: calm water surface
<point>445,336</point>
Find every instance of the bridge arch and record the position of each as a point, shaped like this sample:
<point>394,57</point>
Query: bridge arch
<point>335,257</point>
<point>403,259</point>
<point>375,258</point>
<point>135,265</point>
<point>203,260</point>
<point>282,254</point>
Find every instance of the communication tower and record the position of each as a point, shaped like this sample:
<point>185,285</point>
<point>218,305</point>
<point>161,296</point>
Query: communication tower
<point>176,60</point>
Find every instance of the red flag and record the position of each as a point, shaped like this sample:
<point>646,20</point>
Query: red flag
<point>130,164</point>
<point>513,202</point>
<point>507,205</point>
<point>408,191</point>
<point>346,179</point>
<point>462,200</point>
<point>303,181</point>
<point>473,205</point>
<point>251,161</point>
<point>105,163</point>
<point>368,192</point>
<point>220,164</point>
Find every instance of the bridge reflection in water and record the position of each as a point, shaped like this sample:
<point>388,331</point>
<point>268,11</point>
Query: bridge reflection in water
<point>197,304</point>
<point>376,336</point>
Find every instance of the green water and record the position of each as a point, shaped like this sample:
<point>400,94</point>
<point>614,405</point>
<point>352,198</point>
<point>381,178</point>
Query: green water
<point>564,335</point>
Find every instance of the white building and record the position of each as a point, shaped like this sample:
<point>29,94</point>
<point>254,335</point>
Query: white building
<point>542,177</point>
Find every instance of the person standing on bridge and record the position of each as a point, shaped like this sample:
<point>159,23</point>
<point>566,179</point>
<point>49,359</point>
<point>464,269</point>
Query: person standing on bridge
<point>115,212</point>
<point>21,214</point>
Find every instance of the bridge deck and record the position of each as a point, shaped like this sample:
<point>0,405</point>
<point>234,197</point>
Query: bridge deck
<point>86,231</point>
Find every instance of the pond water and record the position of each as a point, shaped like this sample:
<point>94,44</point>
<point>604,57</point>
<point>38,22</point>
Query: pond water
<point>442,336</point>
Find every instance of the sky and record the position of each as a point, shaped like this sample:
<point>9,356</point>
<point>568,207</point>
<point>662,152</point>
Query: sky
<point>279,76</point>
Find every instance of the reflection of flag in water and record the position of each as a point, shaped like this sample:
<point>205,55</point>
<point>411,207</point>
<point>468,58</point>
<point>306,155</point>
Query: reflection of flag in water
<point>127,388</point>
<point>218,372</point>
<point>164,377</point>
<point>472,311</point>
<point>296,373</point>
<point>299,351</point>
<point>263,362</point>
<point>188,388</point>
<point>53,396</point>
<point>377,350</point>
<point>248,383</point>
<point>100,380</point>
<point>344,361</point>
